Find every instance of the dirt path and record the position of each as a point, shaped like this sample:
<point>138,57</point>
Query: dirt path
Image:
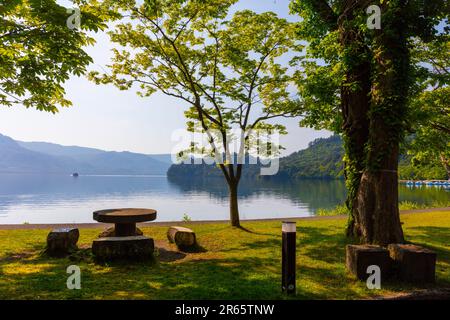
<point>425,294</point>
<point>168,223</point>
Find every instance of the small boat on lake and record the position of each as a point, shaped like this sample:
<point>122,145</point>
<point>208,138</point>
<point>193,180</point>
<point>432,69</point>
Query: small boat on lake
<point>75,174</point>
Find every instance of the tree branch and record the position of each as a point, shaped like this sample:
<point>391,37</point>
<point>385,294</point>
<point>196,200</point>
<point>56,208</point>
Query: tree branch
<point>325,12</point>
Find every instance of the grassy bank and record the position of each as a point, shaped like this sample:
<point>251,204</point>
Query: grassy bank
<point>403,205</point>
<point>234,264</point>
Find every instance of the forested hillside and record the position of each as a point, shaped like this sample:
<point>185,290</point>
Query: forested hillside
<point>321,160</point>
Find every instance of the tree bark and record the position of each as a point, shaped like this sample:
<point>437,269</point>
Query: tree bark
<point>355,101</point>
<point>234,209</point>
<point>377,205</point>
<point>377,198</point>
<point>373,116</point>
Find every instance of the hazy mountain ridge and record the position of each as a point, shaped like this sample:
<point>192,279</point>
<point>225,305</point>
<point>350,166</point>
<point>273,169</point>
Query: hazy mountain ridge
<point>43,157</point>
<point>14,159</point>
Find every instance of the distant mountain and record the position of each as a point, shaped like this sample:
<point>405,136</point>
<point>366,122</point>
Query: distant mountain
<point>43,157</point>
<point>321,160</point>
<point>14,158</point>
<point>80,153</point>
<point>165,158</point>
<point>59,150</point>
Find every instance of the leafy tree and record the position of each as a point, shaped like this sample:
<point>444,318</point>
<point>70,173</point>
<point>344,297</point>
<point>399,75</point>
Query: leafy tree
<point>359,82</point>
<point>38,51</point>
<point>430,106</point>
<point>226,70</point>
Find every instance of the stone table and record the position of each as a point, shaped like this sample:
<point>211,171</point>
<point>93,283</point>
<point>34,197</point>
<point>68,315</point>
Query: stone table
<point>125,244</point>
<point>125,219</point>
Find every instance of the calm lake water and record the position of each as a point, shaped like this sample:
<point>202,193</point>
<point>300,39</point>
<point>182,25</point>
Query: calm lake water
<point>64,199</point>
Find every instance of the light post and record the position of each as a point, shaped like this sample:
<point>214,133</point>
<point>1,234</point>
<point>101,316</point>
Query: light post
<point>288,264</point>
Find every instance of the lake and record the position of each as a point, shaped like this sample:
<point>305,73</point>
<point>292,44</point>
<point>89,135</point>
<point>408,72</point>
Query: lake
<point>65,199</point>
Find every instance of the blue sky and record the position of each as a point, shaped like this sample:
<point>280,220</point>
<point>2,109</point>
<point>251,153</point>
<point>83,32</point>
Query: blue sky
<point>106,118</point>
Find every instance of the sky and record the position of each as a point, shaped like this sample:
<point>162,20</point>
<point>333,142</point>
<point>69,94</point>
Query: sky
<point>104,117</point>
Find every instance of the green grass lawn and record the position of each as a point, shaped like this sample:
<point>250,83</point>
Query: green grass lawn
<point>235,264</point>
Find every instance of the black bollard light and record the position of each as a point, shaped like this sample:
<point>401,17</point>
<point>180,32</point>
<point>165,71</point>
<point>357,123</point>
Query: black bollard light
<point>288,229</point>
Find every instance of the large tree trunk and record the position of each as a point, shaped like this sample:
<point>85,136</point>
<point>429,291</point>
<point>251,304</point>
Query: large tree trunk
<point>234,209</point>
<point>355,101</point>
<point>377,204</point>
<point>373,124</point>
<point>377,199</point>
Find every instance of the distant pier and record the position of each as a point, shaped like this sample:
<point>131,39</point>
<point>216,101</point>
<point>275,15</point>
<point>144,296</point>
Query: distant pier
<point>443,183</point>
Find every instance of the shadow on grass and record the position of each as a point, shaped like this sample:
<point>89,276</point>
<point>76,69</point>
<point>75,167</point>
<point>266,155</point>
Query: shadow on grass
<point>243,278</point>
<point>273,242</point>
<point>436,239</point>
<point>165,255</point>
<point>37,250</point>
<point>16,256</point>
<point>322,245</point>
<point>246,277</point>
<point>197,248</point>
<point>253,274</point>
<point>429,236</point>
<point>245,229</point>
<point>433,234</point>
<point>250,231</point>
<point>317,243</point>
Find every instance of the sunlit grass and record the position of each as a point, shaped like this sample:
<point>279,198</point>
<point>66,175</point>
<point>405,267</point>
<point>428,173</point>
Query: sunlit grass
<point>341,209</point>
<point>411,205</point>
<point>236,264</point>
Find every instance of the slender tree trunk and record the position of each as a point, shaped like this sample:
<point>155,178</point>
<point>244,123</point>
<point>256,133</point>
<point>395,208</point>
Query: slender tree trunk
<point>234,209</point>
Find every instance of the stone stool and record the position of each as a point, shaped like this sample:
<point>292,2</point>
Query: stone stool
<point>123,248</point>
<point>61,242</point>
<point>414,263</point>
<point>359,257</point>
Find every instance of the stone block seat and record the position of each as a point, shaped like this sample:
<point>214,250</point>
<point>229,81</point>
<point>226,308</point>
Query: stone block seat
<point>182,237</point>
<point>413,263</point>
<point>61,242</point>
<point>360,257</point>
<point>123,248</point>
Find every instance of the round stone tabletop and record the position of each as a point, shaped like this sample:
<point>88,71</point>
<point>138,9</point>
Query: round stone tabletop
<point>126,215</point>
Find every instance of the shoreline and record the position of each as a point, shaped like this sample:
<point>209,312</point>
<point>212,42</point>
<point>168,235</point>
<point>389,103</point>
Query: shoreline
<point>97,225</point>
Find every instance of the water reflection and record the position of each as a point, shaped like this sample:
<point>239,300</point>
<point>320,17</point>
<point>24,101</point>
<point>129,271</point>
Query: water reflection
<point>315,193</point>
<point>64,199</point>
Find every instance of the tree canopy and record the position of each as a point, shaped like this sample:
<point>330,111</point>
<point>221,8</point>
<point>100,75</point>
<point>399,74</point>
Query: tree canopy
<point>39,52</point>
<point>228,71</point>
<point>360,82</point>
<point>430,108</point>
